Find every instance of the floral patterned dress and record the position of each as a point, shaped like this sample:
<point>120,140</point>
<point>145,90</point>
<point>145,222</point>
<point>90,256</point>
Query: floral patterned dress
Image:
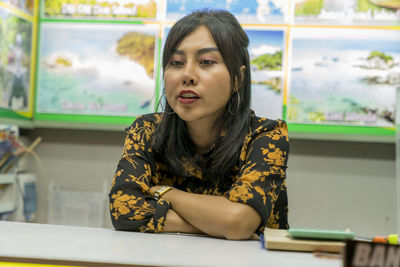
<point>258,177</point>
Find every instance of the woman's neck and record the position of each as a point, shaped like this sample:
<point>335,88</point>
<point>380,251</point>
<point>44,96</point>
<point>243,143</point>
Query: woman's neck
<point>203,135</point>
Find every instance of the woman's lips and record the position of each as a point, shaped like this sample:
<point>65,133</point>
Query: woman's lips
<point>187,97</point>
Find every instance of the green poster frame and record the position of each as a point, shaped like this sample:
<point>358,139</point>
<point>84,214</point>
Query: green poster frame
<point>101,122</point>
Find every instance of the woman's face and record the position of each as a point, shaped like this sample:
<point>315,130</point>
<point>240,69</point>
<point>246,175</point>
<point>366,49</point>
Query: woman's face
<point>197,81</point>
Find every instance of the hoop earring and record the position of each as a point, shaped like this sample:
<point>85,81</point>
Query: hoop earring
<point>237,106</point>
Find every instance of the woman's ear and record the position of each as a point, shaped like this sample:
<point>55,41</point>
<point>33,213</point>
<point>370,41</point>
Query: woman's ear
<point>242,70</point>
<point>237,84</point>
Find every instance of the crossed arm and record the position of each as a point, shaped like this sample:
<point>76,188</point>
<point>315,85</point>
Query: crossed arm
<point>213,215</point>
<point>248,206</point>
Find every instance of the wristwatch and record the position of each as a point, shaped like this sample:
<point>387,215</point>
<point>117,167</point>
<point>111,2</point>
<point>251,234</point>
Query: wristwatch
<point>163,189</point>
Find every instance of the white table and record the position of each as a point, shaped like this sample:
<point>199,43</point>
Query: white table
<point>45,243</point>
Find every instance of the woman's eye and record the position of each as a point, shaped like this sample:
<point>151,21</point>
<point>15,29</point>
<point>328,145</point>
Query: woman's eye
<point>207,62</point>
<point>176,63</point>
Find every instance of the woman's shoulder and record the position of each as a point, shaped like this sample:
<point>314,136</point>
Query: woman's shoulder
<point>147,122</point>
<point>265,124</point>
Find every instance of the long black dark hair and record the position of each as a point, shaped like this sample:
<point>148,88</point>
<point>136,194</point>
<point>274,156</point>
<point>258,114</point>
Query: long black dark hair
<point>172,140</point>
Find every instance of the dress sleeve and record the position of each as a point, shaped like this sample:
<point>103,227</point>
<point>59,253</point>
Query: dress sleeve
<point>262,175</point>
<point>131,205</point>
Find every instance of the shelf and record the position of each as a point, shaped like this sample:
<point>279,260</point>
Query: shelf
<point>344,137</point>
<point>7,178</point>
<point>80,126</point>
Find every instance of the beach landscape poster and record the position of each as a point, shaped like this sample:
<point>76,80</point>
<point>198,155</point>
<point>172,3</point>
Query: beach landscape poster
<point>266,57</point>
<point>246,11</point>
<point>344,76</point>
<point>26,6</point>
<point>96,69</point>
<point>348,11</point>
<point>15,61</point>
<point>138,9</point>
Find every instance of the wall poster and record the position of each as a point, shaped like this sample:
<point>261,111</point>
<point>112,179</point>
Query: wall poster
<point>15,61</point>
<point>375,12</point>
<point>266,57</point>
<point>246,11</point>
<point>97,69</point>
<point>344,76</point>
<point>25,6</point>
<point>137,9</point>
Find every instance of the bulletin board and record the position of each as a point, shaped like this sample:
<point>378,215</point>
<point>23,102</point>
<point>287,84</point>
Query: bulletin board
<point>326,67</point>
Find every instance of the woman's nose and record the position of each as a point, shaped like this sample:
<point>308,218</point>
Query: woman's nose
<point>189,75</point>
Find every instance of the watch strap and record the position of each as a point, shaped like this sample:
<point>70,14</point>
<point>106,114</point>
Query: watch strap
<point>163,189</point>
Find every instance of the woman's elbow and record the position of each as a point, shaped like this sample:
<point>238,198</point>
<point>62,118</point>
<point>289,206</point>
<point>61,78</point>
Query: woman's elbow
<point>238,234</point>
<point>241,225</point>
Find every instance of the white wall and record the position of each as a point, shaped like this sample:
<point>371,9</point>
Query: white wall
<point>331,184</point>
<point>343,185</point>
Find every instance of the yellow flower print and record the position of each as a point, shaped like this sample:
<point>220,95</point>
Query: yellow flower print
<point>160,225</point>
<point>276,135</point>
<point>140,181</point>
<point>251,176</point>
<point>274,155</point>
<point>146,131</point>
<point>144,179</point>
<point>262,193</point>
<point>129,159</point>
<point>247,168</point>
<point>124,198</point>
<point>117,174</point>
<point>149,227</point>
<point>137,217</point>
<point>158,117</point>
<point>241,193</point>
<point>135,146</point>
<point>128,144</point>
<point>122,204</point>
<point>187,165</point>
<point>273,219</point>
<point>243,155</point>
<point>272,193</point>
<point>131,130</point>
<point>277,170</point>
<point>123,210</point>
<point>140,211</point>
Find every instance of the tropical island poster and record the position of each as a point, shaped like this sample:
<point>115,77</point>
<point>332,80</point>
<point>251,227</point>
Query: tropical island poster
<point>348,11</point>
<point>265,51</point>
<point>246,11</point>
<point>143,9</point>
<point>96,69</point>
<point>344,76</point>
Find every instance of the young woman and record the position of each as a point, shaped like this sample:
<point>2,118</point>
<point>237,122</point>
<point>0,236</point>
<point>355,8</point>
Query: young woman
<point>207,164</point>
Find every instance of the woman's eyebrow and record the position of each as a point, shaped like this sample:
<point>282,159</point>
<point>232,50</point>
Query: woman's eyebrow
<point>207,49</point>
<point>199,52</point>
